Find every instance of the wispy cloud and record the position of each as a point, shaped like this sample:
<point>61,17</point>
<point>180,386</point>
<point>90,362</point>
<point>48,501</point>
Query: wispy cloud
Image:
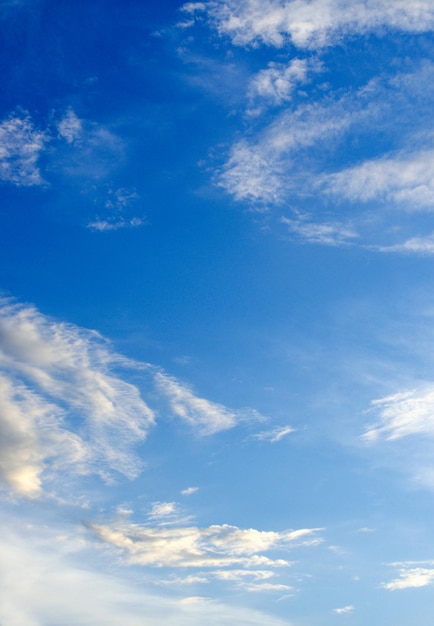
<point>62,405</point>
<point>403,414</point>
<point>21,145</point>
<point>307,229</point>
<point>218,546</point>
<point>406,178</point>
<point>43,573</point>
<point>206,416</point>
<point>411,575</point>
<point>274,435</point>
<point>312,24</point>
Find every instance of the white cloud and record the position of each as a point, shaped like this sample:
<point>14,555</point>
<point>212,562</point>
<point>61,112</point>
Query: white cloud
<point>274,435</point>
<point>116,223</point>
<point>313,23</point>
<point>415,245</point>
<point>208,417</point>
<point>216,546</point>
<point>62,406</point>
<point>70,127</point>
<point>276,84</point>
<point>189,491</point>
<point>265,169</point>
<point>344,610</point>
<point>403,414</point>
<point>41,578</point>
<point>21,145</point>
<point>163,509</point>
<point>407,179</point>
<point>411,577</point>
<point>328,234</point>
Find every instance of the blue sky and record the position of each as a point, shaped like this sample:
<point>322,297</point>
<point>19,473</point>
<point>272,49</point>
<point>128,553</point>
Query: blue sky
<point>216,314</point>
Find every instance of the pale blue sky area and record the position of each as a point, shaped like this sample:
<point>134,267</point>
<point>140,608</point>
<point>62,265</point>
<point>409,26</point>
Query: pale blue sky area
<point>216,313</point>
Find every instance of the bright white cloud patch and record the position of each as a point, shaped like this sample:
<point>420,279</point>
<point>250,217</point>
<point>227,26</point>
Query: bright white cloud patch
<point>63,405</point>
<point>42,574</point>
<point>411,575</point>
<point>313,23</point>
<point>61,402</point>
<point>403,414</point>
<point>344,610</point>
<point>218,546</point>
<point>21,145</point>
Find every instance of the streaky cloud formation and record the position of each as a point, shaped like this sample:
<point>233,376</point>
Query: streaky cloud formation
<point>52,372</point>
<point>206,416</point>
<point>64,407</point>
<point>42,577</point>
<point>219,546</point>
<point>403,414</point>
<point>311,24</point>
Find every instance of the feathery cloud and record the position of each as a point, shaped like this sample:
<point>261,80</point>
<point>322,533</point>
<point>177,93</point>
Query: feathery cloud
<point>274,435</point>
<point>208,417</point>
<point>62,406</point>
<point>216,546</point>
<point>403,414</point>
<point>314,23</point>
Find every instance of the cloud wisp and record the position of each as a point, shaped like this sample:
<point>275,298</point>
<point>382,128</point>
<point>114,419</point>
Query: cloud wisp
<point>403,414</point>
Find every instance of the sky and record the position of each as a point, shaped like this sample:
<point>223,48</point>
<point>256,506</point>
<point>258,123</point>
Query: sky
<point>216,312</point>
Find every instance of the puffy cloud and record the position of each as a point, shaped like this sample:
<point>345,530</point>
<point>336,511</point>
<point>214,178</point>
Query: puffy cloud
<point>276,84</point>
<point>21,145</point>
<point>218,546</point>
<point>411,575</point>
<point>312,23</point>
<point>267,168</point>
